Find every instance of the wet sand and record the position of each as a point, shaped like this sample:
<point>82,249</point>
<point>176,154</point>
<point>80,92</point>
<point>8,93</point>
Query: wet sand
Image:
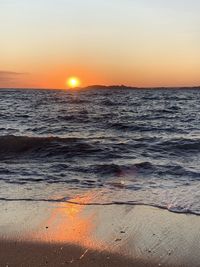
<point>63,234</point>
<point>25,254</point>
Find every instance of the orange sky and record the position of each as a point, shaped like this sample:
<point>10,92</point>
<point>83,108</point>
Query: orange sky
<point>138,43</point>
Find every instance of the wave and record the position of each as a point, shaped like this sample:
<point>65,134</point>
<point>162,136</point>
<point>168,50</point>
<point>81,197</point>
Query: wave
<point>12,146</point>
<point>178,209</point>
<point>43,146</point>
<point>122,170</point>
<point>183,145</point>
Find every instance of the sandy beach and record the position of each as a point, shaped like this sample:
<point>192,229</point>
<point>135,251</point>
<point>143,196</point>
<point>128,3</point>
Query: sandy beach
<point>59,234</point>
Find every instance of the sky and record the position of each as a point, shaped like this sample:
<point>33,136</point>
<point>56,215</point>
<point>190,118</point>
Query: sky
<point>144,43</point>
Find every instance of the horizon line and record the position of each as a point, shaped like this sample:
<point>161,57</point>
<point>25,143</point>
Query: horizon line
<point>100,86</point>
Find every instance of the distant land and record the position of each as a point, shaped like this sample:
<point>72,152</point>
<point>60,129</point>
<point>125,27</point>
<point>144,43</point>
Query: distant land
<point>137,88</point>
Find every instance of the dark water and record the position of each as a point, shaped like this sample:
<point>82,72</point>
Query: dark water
<point>122,146</point>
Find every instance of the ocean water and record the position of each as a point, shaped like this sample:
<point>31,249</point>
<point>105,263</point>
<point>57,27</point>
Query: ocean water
<point>117,146</point>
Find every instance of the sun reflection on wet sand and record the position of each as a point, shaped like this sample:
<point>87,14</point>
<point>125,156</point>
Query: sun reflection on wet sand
<point>70,223</point>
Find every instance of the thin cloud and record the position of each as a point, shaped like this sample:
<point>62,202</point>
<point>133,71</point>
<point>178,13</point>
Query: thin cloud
<point>4,73</point>
<point>10,78</point>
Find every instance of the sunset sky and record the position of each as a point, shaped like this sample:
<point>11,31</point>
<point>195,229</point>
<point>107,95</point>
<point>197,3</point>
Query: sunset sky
<point>132,42</point>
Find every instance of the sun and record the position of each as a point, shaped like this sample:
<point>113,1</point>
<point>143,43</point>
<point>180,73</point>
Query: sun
<point>73,82</point>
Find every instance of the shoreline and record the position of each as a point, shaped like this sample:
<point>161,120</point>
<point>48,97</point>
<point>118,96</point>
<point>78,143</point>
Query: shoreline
<point>186,212</point>
<point>126,235</point>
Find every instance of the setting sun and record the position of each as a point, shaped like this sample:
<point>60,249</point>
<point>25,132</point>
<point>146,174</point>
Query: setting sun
<point>73,82</point>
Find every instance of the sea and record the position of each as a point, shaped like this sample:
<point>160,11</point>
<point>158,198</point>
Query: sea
<point>120,146</point>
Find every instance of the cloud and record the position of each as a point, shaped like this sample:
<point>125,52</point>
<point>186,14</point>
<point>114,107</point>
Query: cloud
<point>10,73</point>
<point>10,78</point>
